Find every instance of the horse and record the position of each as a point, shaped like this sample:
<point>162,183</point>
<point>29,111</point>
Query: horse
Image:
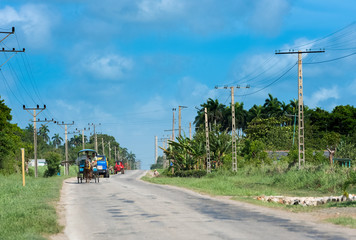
<point>88,171</point>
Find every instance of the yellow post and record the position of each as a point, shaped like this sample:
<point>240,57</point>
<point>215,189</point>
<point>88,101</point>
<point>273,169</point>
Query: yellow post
<point>23,166</point>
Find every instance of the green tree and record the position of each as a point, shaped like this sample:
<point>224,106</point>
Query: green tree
<point>53,160</point>
<point>272,107</point>
<point>43,132</point>
<point>10,140</point>
<point>216,114</point>
<point>57,140</point>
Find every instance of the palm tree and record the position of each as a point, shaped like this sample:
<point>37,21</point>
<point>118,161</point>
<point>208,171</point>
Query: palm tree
<point>43,132</point>
<point>57,140</point>
<point>254,112</point>
<point>76,140</point>
<point>216,114</point>
<point>272,107</point>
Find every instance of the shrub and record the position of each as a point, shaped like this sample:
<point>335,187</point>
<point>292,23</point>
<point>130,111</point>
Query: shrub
<point>190,173</point>
<point>53,160</point>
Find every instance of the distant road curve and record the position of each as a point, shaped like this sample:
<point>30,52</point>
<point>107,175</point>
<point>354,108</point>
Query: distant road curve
<point>124,207</point>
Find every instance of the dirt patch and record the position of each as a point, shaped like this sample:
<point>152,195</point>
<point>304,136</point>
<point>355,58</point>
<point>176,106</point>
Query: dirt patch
<point>60,208</point>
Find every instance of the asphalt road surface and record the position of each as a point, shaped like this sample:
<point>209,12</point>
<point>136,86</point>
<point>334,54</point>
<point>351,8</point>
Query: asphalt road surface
<point>124,207</point>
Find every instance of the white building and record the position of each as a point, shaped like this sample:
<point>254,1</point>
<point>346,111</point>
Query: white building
<point>40,162</point>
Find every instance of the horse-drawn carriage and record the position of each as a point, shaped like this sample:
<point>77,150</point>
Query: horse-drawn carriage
<point>86,166</point>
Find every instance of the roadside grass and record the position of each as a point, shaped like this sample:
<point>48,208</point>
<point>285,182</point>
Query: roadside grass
<point>29,212</point>
<point>278,180</point>
<point>344,221</point>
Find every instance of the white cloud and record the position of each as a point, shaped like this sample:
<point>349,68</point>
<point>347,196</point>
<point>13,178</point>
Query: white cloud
<point>34,20</point>
<point>352,87</point>
<point>267,17</point>
<point>111,67</point>
<point>202,17</point>
<point>194,91</point>
<point>154,108</point>
<point>322,95</point>
<point>151,10</point>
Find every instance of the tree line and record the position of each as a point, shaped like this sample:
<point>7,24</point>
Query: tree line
<point>12,138</point>
<point>262,130</point>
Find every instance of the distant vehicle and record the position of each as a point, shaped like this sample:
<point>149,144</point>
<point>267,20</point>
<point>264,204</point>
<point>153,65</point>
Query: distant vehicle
<point>86,170</point>
<point>119,167</point>
<point>102,166</point>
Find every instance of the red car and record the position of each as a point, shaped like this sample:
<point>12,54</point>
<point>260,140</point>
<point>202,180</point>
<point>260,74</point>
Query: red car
<point>119,167</point>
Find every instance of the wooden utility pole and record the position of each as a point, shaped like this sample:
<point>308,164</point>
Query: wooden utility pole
<point>190,131</point>
<point>8,34</point>
<point>115,155</point>
<point>208,166</point>
<point>233,126</point>
<point>180,119</point>
<point>34,131</point>
<point>156,150</point>
<point>233,132</point>
<point>95,136</point>
<point>102,144</point>
<point>66,163</point>
<point>173,109</point>
<point>301,147</point>
<point>109,151</point>
<point>9,50</point>
<point>83,136</point>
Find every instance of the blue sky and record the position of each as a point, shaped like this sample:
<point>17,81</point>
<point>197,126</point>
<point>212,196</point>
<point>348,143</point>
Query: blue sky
<point>126,63</point>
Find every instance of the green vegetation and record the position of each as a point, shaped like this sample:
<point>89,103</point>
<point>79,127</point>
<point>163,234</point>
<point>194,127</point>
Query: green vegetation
<point>28,212</point>
<point>266,180</point>
<point>345,221</point>
<point>12,138</point>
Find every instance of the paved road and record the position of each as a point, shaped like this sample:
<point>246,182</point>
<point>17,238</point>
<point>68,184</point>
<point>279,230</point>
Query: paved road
<point>123,207</point>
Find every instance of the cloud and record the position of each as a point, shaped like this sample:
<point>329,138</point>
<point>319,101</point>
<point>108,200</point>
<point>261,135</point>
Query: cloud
<point>35,20</point>
<point>110,67</point>
<point>194,90</point>
<point>322,95</point>
<point>200,17</point>
<point>352,87</point>
<point>267,16</point>
<point>154,108</point>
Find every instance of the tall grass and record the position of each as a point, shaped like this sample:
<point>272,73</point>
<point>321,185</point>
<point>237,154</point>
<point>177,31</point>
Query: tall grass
<point>267,180</point>
<point>29,212</point>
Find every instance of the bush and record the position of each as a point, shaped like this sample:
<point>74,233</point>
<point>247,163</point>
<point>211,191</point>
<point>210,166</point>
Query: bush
<point>53,160</point>
<point>190,173</point>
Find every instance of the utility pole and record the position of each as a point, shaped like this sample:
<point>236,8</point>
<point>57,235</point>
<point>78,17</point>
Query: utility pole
<point>8,50</point>
<point>190,131</point>
<point>180,118</point>
<point>156,151</point>
<point>34,131</point>
<point>83,136</point>
<point>115,155</point>
<point>95,136</point>
<point>102,144</point>
<point>66,164</point>
<point>109,151</point>
<point>233,126</point>
<point>12,51</point>
<point>173,109</point>
<point>8,34</point>
<point>208,166</point>
<point>301,147</point>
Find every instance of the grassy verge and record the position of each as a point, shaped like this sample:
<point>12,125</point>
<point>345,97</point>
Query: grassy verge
<point>313,181</point>
<point>29,212</point>
<point>344,221</point>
